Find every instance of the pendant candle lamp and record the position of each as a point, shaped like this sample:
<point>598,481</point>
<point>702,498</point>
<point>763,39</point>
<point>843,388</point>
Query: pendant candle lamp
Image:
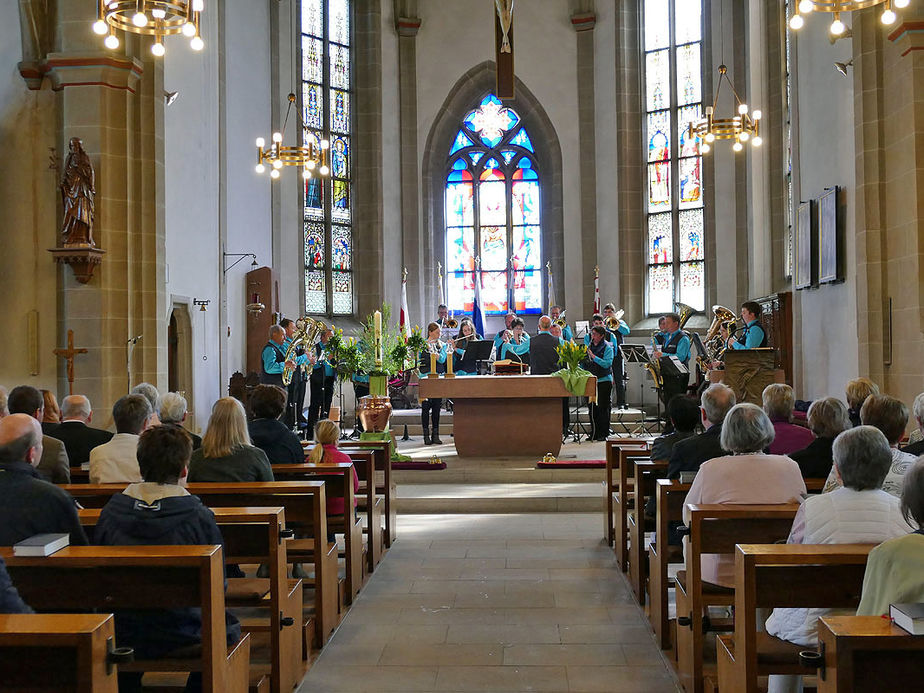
<point>837,7</point>
<point>157,18</point>
<point>741,127</point>
<point>311,158</point>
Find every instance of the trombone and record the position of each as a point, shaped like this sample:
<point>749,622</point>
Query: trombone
<point>560,321</point>
<point>612,322</point>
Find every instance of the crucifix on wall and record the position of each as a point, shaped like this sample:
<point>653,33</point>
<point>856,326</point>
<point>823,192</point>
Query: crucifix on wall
<point>68,355</point>
<point>503,48</point>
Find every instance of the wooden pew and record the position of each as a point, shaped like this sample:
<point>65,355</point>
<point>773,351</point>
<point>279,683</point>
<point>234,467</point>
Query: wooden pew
<point>783,575</point>
<point>305,504</point>
<point>77,578</point>
<point>867,653</point>
<point>717,529</point>
<point>622,502</point>
<point>387,488</point>
<point>257,535</point>
<point>644,475</point>
<point>339,478</point>
<point>613,446</point>
<point>670,495</point>
<point>57,653</point>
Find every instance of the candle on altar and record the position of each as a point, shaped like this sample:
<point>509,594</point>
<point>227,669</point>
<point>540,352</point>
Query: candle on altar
<point>432,364</point>
<point>449,373</point>
<point>377,331</point>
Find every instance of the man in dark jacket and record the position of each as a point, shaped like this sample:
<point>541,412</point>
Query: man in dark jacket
<point>158,511</point>
<point>75,431</point>
<point>684,415</point>
<point>28,504</point>
<point>689,454</point>
<point>267,432</point>
<point>10,601</point>
<point>54,465</point>
<point>543,359</point>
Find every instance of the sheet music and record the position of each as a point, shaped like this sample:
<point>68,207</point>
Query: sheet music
<point>682,369</point>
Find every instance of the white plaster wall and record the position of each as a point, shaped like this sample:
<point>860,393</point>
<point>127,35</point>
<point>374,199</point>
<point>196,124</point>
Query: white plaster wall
<point>826,158</point>
<point>455,36</point>
<point>28,196</point>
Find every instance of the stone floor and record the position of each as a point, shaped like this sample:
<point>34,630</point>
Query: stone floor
<point>475,602</point>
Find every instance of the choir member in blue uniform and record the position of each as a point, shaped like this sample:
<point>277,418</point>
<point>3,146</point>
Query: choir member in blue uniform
<point>322,382</point>
<point>430,408</point>
<point>600,355</point>
<point>619,369</point>
<point>676,343</point>
<point>273,357</point>
<point>753,335</point>
<point>295,405</point>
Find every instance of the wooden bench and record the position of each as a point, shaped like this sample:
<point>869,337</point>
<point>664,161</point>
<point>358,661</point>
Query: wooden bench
<point>58,653</point>
<point>783,575</point>
<point>867,653</point>
<point>611,477</point>
<point>109,578</point>
<point>645,474</point>
<point>257,535</point>
<point>381,449</point>
<point>670,496</point>
<point>716,529</point>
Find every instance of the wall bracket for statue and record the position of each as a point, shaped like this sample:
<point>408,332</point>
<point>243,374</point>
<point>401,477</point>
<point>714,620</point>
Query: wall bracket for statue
<point>78,192</point>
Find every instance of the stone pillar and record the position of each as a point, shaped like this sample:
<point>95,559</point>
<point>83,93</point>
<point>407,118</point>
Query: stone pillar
<point>407,28</point>
<point>114,102</point>
<point>583,23</point>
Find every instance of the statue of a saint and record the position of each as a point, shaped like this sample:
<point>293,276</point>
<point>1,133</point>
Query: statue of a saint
<point>78,186</point>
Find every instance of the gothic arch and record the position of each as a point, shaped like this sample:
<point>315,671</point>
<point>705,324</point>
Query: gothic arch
<point>464,95</point>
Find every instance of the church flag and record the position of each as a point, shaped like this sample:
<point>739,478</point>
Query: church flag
<point>478,307</point>
<point>404,322</point>
<point>596,290</point>
<point>439,283</point>
<point>548,267</point>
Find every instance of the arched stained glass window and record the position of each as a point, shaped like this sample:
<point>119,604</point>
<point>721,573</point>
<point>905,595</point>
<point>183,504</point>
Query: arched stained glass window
<point>493,213</point>
<point>673,98</point>
<point>327,79</point>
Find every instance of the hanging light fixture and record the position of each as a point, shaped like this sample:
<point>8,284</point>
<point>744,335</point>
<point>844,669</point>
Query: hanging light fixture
<point>157,18</point>
<point>309,157</point>
<point>836,7</point>
<point>742,127</point>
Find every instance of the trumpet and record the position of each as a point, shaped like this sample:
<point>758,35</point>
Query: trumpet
<point>560,321</point>
<point>612,322</point>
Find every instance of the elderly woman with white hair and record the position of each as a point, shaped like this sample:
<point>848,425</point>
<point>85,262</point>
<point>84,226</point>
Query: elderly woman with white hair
<point>859,512</point>
<point>173,411</point>
<point>827,419</point>
<point>746,477</point>
<point>916,438</point>
<point>150,393</point>
<point>779,400</point>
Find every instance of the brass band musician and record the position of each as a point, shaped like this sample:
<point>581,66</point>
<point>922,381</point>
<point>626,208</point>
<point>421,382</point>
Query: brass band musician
<point>430,408</point>
<point>676,343</point>
<point>458,346</point>
<point>557,313</point>
<point>515,342</point>
<point>617,327</point>
<point>753,335</point>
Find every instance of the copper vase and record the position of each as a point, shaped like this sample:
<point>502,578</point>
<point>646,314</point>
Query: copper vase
<point>374,413</point>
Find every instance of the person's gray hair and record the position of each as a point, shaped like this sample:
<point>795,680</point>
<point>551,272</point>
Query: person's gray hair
<point>173,407</point>
<point>76,407</point>
<point>913,494</point>
<point>276,330</point>
<point>778,399</point>
<point>746,429</point>
<point>149,392</point>
<point>828,417</point>
<point>862,457</point>
<point>918,410</point>
<point>4,411</point>
<point>717,400</point>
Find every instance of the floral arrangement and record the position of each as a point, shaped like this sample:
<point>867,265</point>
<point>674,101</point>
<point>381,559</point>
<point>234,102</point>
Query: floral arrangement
<point>570,355</point>
<point>344,353</point>
<point>394,346</point>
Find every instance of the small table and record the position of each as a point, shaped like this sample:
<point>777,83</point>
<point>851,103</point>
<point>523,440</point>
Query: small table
<point>504,415</point>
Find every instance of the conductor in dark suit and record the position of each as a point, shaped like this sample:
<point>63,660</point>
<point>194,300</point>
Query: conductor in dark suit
<point>689,454</point>
<point>543,359</point>
<point>74,431</point>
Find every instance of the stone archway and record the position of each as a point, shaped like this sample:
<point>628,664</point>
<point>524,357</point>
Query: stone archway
<point>180,354</point>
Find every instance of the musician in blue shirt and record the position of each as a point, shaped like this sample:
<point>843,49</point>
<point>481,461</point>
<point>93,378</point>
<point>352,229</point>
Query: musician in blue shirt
<point>321,382</point>
<point>467,334</point>
<point>499,337</point>
<point>295,406</point>
<point>600,355</point>
<point>515,342</point>
<point>753,335</point>
<point>676,343</point>
<point>273,357</point>
<point>622,329</point>
<point>430,408</point>
<point>555,312</point>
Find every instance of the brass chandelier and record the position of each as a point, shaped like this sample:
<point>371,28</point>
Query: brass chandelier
<point>835,7</point>
<point>308,157</point>
<point>157,18</point>
<point>741,127</point>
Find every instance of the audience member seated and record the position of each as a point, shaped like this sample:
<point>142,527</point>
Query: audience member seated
<point>267,432</point>
<point>226,453</point>
<point>857,392</point>
<point>54,465</point>
<point>74,431</point>
<point>827,418</point>
<point>28,504</point>
<point>3,398</point>
<point>859,512</point>
<point>890,416</point>
<point>10,601</point>
<point>173,410</point>
<point>150,393</point>
<point>159,511</point>
<point>684,415</point>
<point>745,477</point>
<point>687,455</point>
<point>916,443</point>
<point>778,400</point>
<point>326,435</point>
<point>116,462</point>
<point>51,414</point>
<point>895,568</point>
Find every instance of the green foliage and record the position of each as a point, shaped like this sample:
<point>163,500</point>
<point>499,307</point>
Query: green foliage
<point>570,355</point>
<point>394,346</point>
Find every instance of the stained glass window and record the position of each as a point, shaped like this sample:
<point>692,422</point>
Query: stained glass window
<point>673,89</point>
<point>493,213</point>
<point>327,79</point>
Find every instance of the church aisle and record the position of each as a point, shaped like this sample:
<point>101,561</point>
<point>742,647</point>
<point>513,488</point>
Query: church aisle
<point>527,602</point>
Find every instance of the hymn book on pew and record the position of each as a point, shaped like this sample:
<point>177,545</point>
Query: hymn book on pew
<point>909,617</point>
<point>41,545</point>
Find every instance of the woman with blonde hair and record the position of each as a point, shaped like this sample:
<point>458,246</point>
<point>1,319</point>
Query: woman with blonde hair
<point>326,435</point>
<point>226,453</point>
<point>858,390</point>
<point>52,414</point>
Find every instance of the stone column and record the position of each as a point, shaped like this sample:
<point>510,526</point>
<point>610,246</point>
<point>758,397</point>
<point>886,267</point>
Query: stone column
<point>407,28</point>
<point>583,23</point>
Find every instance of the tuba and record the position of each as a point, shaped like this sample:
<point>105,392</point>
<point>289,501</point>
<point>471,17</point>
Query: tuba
<point>307,332</point>
<point>713,342</point>
<point>685,311</point>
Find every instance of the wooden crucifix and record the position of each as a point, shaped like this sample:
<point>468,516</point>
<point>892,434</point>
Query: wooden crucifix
<point>503,48</point>
<point>68,355</point>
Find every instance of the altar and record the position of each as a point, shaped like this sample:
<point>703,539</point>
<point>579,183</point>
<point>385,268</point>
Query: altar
<point>504,416</point>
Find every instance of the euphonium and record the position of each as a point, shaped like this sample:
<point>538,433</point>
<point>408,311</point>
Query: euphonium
<point>722,316</point>
<point>685,311</point>
<point>560,321</point>
<point>307,331</point>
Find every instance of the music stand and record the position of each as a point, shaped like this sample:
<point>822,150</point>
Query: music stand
<point>638,353</point>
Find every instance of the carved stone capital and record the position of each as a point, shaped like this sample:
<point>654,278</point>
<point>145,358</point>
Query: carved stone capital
<point>83,260</point>
<point>407,26</point>
<point>584,21</point>
<point>93,69</point>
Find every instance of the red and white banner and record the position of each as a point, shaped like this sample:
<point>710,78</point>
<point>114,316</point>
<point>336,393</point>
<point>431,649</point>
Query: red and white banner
<point>596,290</point>
<point>404,321</point>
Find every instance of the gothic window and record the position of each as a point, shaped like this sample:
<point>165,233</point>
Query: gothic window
<point>493,214</point>
<point>673,99</point>
<point>327,81</point>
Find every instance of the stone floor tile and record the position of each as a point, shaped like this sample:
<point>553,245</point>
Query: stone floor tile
<point>513,678</point>
<point>617,679</point>
<point>605,633</point>
<point>417,654</point>
<point>507,635</point>
<point>501,599</point>
<point>426,616</point>
<point>457,586</point>
<point>360,679</point>
<point>564,655</point>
